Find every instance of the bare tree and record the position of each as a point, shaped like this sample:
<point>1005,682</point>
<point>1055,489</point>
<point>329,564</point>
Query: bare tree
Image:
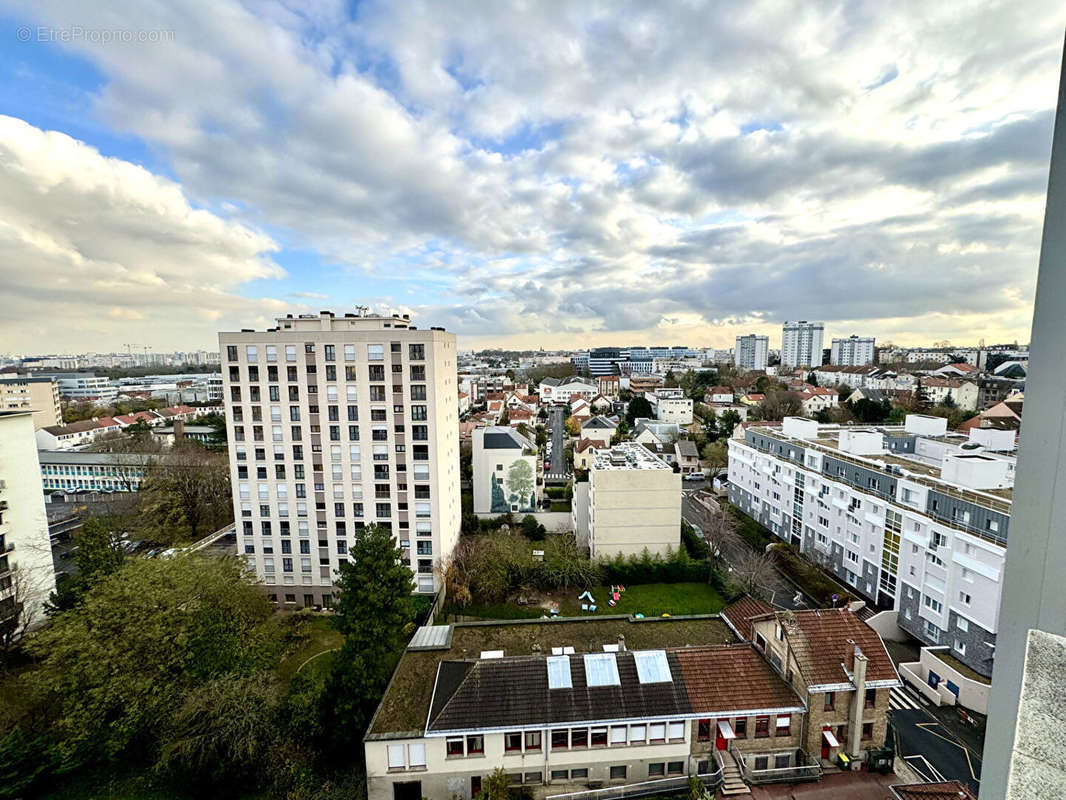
<point>753,573</point>
<point>187,494</point>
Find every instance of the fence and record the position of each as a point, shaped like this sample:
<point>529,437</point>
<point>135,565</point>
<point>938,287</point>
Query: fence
<point>799,772</point>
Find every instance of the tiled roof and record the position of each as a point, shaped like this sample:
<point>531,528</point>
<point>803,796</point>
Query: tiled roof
<point>514,692</point>
<point>598,422</point>
<point>944,790</point>
<point>108,422</point>
<point>75,427</point>
<point>687,448</point>
<point>823,641</point>
<point>584,445</point>
<point>739,613</point>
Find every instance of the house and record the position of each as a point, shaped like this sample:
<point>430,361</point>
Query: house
<point>494,408</point>
<point>599,429</point>
<point>580,410</point>
<point>719,408</point>
<point>464,402</point>
<point>521,416</point>
<point>585,451</point>
<point>836,375</point>
<point>505,468</point>
<point>688,456</point>
<point>752,398</point>
<point>873,395</point>
<point>963,393</point>
<point>1004,416</point>
<point>76,434</point>
<point>671,405</point>
<point>960,370</point>
<point>666,452</point>
<point>650,431</point>
<point>600,404</point>
<point>718,394</point>
<point>147,417</point>
<point>840,667</point>
<point>815,398</point>
<point>562,390</point>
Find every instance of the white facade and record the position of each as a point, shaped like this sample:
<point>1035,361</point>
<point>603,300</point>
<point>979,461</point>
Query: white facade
<point>552,390</point>
<point>40,395</point>
<point>336,423</point>
<point>77,386</point>
<point>751,352</point>
<point>854,351</point>
<point>505,472</point>
<point>801,344</point>
<point>900,522</point>
<point>27,575</point>
<point>634,502</point>
<point>671,405</point>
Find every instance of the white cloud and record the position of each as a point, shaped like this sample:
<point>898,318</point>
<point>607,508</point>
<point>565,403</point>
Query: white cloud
<point>98,252</point>
<point>866,163</point>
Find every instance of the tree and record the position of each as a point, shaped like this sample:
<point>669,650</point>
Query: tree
<point>639,406</point>
<point>505,418</point>
<point>727,422</point>
<point>716,456</point>
<point>541,436</point>
<point>119,663</point>
<point>670,380</point>
<point>753,574</point>
<point>99,554</point>
<point>497,786</point>
<point>372,612</point>
<point>187,494</point>
<point>20,609</point>
<point>522,428</point>
<point>779,405</point>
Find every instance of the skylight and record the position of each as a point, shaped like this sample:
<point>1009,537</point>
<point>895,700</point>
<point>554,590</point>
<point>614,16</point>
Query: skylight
<point>601,669</point>
<point>652,666</point>
<point>559,672</point>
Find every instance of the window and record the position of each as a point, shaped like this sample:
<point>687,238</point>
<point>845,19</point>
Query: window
<point>867,730</point>
<point>579,737</point>
<point>870,700</point>
<point>618,734</point>
<point>231,352</point>
<point>396,756</point>
<point>964,598</point>
<point>657,770</point>
<point>559,774</point>
<point>676,731</point>
<point>761,762</point>
<point>935,605</point>
<point>618,773</point>
<point>475,745</point>
<point>829,700</point>
<point>675,767</point>
<point>599,737</point>
<point>740,727</point>
<point>416,755</point>
<point>784,725</point>
<point>579,774</point>
<point>533,740</point>
<point>782,760</point>
<point>703,730</point>
<point>416,352</point>
<point>762,727</point>
<point>962,624</point>
<point>512,742</point>
<point>534,777</point>
<point>637,734</point>
<point>960,647</point>
<point>375,352</point>
<point>560,739</point>
<point>251,353</point>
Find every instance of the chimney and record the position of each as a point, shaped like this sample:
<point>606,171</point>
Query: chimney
<point>858,677</point>
<point>621,642</point>
<point>536,649</point>
<point>179,430</point>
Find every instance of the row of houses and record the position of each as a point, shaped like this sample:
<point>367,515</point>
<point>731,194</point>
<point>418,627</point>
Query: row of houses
<point>83,432</point>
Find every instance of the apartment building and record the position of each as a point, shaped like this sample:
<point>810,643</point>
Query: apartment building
<point>27,575</point>
<point>854,351</point>
<point>335,423</point>
<point>505,471</point>
<point>564,390</point>
<point>67,471</point>
<point>40,395</point>
<point>751,352</point>
<point>671,405</point>
<point>633,502</point>
<point>801,344</point>
<point>84,386</point>
<point>910,517</point>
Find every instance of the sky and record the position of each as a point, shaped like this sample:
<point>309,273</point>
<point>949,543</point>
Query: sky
<point>535,174</point>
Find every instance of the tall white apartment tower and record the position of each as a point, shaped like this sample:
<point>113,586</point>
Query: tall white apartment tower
<point>855,351</point>
<point>337,422</point>
<point>801,344</point>
<point>751,352</point>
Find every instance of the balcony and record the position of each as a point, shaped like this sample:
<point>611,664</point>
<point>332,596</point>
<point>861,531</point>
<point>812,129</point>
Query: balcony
<point>803,768</point>
<point>660,787</point>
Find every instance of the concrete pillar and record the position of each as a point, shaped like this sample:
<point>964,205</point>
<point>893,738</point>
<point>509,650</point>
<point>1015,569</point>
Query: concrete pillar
<point>858,703</point>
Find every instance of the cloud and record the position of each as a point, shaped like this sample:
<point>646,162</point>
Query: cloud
<point>581,173</point>
<point>98,252</point>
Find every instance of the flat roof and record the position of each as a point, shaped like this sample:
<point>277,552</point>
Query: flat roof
<point>628,455</point>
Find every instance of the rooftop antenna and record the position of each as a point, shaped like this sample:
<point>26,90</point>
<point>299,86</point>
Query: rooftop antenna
<point>362,310</point>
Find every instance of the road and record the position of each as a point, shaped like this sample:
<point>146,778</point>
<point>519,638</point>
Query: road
<point>928,747</point>
<point>784,592</point>
<point>557,423</point>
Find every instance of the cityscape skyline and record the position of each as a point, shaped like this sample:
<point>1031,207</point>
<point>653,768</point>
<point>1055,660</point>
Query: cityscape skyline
<point>599,174</point>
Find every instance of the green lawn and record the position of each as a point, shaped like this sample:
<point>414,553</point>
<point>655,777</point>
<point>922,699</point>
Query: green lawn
<point>321,636</point>
<point>649,599</point>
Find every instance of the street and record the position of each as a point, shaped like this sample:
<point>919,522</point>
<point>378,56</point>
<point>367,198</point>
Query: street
<point>557,424</point>
<point>783,592</point>
<point>928,747</point>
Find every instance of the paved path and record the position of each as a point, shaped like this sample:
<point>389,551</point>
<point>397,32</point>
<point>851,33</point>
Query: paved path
<point>928,747</point>
<point>557,423</point>
<point>785,593</point>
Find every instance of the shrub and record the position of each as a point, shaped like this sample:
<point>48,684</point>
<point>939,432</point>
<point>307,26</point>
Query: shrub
<point>676,567</point>
<point>695,545</point>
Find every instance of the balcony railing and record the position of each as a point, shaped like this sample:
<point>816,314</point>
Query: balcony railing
<point>662,786</point>
<point>805,768</point>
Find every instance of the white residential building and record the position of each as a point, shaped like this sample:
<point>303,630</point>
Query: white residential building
<point>40,395</point>
<point>564,390</point>
<point>911,517</point>
<point>633,502</point>
<point>79,386</point>
<point>751,352</point>
<point>854,351</point>
<point>336,423</point>
<point>671,405</point>
<point>505,471</point>
<point>27,575</point>
<point>801,344</point>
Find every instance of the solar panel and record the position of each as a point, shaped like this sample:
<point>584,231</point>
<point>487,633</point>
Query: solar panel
<point>601,669</point>
<point>559,672</point>
<point>652,666</point>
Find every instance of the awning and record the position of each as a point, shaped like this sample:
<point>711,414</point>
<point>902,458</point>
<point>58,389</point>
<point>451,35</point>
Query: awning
<point>725,730</point>
<point>830,738</point>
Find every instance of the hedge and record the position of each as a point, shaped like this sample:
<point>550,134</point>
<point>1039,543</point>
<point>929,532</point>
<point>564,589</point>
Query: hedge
<point>676,567</point>
<point>695,545</point>
<point>555,491</point>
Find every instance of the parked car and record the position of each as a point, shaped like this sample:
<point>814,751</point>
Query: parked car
<point>693,476</point>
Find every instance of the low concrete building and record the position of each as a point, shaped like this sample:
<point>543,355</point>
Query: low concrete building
<point>671,405</point>
<point>73,472</point>
<point>634,502</point>
<point>505,466</point>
